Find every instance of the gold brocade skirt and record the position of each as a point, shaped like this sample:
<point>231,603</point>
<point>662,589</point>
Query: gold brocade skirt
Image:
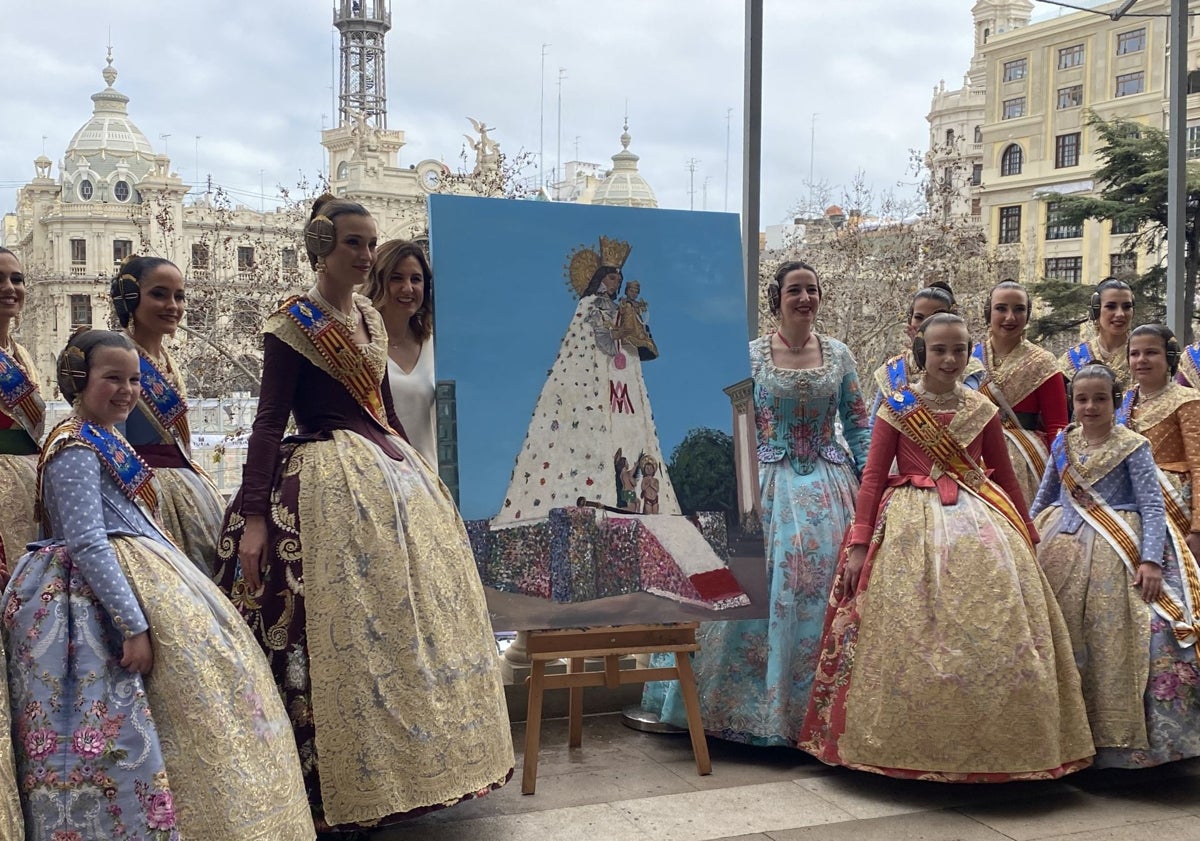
<point>225,736</point>
<point>407,700</point>
<point>1026,478</point>
<point>191,508</point>
<point>963,664</point>
<point>18,490</point>
<point>1109,626</point>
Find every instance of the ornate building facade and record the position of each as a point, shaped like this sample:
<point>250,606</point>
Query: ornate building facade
<point>1015,134</point>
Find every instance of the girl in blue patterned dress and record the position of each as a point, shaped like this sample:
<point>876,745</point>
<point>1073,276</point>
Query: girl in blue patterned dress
<point>1111,557</point>
<point>754,676</point>
<point>140,705</point>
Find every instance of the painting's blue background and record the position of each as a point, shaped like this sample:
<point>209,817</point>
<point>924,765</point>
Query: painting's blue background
<point>503,304</point>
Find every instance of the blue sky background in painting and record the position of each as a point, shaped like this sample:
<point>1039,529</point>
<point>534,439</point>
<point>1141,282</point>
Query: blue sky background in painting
<point>503,306</point>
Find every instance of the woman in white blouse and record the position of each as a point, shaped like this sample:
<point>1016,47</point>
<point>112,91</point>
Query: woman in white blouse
<point>401,288</point>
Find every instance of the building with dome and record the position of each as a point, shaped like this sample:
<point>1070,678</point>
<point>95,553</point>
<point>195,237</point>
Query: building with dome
<point>620,186</point>
<point>113,195</point>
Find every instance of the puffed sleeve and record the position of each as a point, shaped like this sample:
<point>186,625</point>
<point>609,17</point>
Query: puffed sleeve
<point>1052,404</point>
<point>856,425</point>
<point>281,373</point>
<point>1048,491</point>
<point>1143,476</point>
<point>995,456</point>
<point>1189,429</point>
<point>72,492</point>
<point>881,454</point>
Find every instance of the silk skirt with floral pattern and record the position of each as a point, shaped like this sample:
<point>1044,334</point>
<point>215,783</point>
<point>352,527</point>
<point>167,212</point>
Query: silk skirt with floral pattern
<point>374,621</point>
<point>18,489</point>
<point>1142,689</point>
<point>200,749</point>
<point>191,509</point>
<point>754,676</point>
<point>952,661</point>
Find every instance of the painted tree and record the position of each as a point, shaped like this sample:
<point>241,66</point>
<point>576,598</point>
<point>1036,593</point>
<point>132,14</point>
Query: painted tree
<point>1131,195</point>
<point>703,474</point>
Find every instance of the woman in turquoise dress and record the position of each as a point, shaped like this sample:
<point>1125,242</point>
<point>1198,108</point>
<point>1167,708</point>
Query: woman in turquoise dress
<point>140,705</point>
<point>754,676</point>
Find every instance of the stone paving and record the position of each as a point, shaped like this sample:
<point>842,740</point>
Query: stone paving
<point>624,785</point>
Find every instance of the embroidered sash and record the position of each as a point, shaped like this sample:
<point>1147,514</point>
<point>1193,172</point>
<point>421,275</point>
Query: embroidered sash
<point>166,405</point>
<point>126,467</point>
<point>1175,607</point>
<point>1125,412</point>
<point>1080,355</point>
<point>1189,364</point>
<point>937,442</point>
<point>1028,443</point>
<point>19,396</point>
<point>346,362</point>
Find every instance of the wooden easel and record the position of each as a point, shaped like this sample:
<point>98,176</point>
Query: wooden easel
<point>611,643</point>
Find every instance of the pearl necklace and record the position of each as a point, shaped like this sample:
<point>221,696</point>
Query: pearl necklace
<point>348,320</point>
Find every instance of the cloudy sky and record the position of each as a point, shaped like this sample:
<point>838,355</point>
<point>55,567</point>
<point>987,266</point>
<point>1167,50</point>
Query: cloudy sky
<point>253,81</point>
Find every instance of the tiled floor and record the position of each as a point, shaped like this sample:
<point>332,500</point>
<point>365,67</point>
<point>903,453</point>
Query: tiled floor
<point>624,785</point>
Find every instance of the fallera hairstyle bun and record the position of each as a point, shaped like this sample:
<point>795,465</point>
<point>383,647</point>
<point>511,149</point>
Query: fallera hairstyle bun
<point>938,291</point>
<point>1097,371</point>
<point>320,234</point>
<point>775,287</point>
<point>935,320</point>
<point>126,288</point>
<point>76,359</point>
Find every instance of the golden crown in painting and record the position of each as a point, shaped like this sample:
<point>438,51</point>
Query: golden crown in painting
<point>584,261</point>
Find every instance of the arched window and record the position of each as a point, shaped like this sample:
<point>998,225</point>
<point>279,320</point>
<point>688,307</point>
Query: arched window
<point>85,190</point>
<point>1010,161</point>
<point>121,191</point>
<point>978,134</point>
<point>343,170</point>
<point>949,137</point>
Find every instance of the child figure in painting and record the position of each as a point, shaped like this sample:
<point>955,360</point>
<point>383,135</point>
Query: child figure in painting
<point>631,322</point>
<point>1104,528</point>
<point>944,655</point>
<point>114,636</point>
<point>626,483</point>
<point>649,485</point>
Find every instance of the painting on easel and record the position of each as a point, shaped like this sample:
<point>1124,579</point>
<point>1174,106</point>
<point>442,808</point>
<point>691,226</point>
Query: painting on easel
<point>594,420</point>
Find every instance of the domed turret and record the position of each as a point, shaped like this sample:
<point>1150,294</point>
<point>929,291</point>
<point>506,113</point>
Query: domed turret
<point>109,154</point>
<point>624,186</point>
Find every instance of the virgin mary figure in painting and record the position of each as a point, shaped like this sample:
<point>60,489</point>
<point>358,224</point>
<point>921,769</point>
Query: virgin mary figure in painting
<point>594,401</point>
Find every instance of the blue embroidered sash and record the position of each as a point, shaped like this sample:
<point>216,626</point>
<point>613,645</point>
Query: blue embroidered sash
<point>1125,412</point>
<point>1080,355</point>
<point>897,373</point>
<point>20,396</point>
<point>164,402</point>
<point>1190,364</point>
<point>126,467</point>
<point>346,362</point>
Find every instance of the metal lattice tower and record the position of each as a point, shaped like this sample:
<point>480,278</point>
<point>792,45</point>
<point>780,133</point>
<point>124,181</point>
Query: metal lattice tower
<point>363,89</point>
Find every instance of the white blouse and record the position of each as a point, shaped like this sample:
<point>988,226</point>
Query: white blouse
<point>413,395</point>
